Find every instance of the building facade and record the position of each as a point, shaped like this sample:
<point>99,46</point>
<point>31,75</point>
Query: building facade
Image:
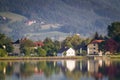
<point>93,47</point>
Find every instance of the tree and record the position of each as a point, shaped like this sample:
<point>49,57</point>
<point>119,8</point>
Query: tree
<point>49,47</point>
<point>72,41</point>
<point>27,43</point>
<point>102,46</point>
<point>67,42</point>
<point>114,32</point>
<point>27,51</point>
<point>57,46</point>
<point>114,29</point>
<point>96,36</point>
<point>26,46</point>
<point>3,53</point>
<point>111,45</point>
<point>76,40</point>
<point>6,43</point>
<point>41,52</point>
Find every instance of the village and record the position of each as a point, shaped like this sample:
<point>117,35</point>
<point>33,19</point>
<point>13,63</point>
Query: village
<point>91,48</point>
<point>73,45</point>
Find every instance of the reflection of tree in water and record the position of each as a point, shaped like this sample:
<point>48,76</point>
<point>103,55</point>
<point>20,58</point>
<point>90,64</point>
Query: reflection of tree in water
<point>112,71</point>
<point>75,75</point>
<point>48,68</point>
<point>2,73</point>
<point>2,76</point>
<point>9,69</point>
<point>27,69</point>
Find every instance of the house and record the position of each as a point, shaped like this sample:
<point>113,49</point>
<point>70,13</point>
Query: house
<point>38,44</point>
<point>93,48</point>
<point>66,52</point>
<point>16,46</point>
<point>30,22</point>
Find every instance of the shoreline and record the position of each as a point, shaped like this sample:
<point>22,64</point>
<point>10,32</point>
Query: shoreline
<point>113,57</point>
<point>42,58</point>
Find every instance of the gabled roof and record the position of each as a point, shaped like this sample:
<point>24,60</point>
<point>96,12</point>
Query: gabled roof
<point>39,43</point>
<point>96,41</point>
<point>16,42</point>
<point>63,49</point>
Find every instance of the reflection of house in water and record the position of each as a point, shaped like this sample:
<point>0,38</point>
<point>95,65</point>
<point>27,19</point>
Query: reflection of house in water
<point>67,65</point>
<point>100,62</point>
<point>107,62</point>
<point>38,71</point>
<point>82,66</point>
<point>93,66</point>
<point>70,64</point>
<point>16,70</point>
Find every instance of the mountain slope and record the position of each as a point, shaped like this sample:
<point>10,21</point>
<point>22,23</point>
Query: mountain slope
<point>74,16</point>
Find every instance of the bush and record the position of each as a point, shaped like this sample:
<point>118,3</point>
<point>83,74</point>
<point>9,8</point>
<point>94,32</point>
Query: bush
<point>41,52</point>
<point>3,53</point>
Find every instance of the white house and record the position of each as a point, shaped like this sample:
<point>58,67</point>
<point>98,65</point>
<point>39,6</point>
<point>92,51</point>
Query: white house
<point>66,52</point>
<point>70,52</point>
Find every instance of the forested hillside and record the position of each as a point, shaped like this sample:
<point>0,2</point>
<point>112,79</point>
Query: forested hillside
<point>71,16</point>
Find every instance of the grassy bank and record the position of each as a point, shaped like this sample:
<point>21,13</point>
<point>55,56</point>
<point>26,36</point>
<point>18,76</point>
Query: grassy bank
<point>42,58</point>
<point>54,58</point>
<point>114,56</point>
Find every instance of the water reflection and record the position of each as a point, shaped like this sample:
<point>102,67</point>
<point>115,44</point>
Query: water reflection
<point>60,70</point>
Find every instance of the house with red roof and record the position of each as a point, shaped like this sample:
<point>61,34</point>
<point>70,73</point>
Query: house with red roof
<point>38,44</point>
<point>93,47</point>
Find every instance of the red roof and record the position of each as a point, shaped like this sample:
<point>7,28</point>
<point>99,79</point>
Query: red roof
<point>97,41</point>
<point>39,43</point>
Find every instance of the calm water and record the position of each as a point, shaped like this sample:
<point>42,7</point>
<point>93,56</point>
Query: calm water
<point>60,70</point>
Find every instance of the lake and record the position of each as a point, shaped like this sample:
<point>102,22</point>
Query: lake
<point>60,70</point>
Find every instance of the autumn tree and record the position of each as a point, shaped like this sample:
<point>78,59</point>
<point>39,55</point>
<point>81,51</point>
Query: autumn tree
<point>114,32</point>
<point>111,45</point>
